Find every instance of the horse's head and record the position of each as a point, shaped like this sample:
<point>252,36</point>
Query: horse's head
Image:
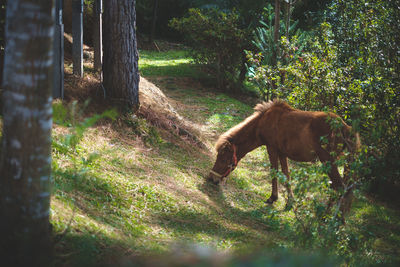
<point>225,163</point>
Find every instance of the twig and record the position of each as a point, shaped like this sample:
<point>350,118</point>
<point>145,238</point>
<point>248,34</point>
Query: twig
<point>155,44</point>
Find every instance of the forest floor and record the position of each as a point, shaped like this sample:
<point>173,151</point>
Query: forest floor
<point>135,186</point>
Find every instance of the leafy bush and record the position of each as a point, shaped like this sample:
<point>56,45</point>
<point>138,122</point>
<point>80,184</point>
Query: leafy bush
<point>263,62</point>
<point>216,40</point>
<point>350,66</point>
<point>367,44</point>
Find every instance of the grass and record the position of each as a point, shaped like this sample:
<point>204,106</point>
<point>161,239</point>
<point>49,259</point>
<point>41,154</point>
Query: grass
<point>116,195</point>
<point>174,63</point>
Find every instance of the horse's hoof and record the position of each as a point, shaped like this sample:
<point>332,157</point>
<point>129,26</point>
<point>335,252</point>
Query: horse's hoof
<point>271,200</point>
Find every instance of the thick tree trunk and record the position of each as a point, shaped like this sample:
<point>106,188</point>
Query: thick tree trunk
<point>120,58</point>
<point>25,164</point>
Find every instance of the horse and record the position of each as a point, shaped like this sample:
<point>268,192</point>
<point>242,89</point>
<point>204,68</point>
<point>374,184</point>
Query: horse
<point>287,133</point>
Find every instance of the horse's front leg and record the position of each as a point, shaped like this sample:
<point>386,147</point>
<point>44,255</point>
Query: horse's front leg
<point>273,158</point>
<point>336,179</point>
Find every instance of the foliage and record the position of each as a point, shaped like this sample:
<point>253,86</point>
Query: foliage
<point>216,40</point>
<point>367,45</point>
<point>351,67</point>
<point>68,144</point>
<point>218,33</point>
<point>145,200</point>
<point>310,13</point>
<point>262,61</point>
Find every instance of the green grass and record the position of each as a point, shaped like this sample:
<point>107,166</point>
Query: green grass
<point>115,196</point>
<point>175,63</point>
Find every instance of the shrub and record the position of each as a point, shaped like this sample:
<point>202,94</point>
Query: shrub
<point>350,67</point>
<point>217,41</point>
<point>367,43</point>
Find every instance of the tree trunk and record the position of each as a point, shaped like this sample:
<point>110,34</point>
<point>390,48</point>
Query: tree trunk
<point>120,65</point>
<point>98,35</point>
<point>276,30</point>
<point>2,26</point>
<point>25,163</point>
<point>276,43</point>
<point>288,6</point>
<point>154,22</point>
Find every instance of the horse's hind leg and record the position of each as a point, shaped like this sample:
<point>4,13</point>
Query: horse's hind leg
<point>333,174</point>
<point>285,170</point>
<point>273,158</point>
<point>337,182</point>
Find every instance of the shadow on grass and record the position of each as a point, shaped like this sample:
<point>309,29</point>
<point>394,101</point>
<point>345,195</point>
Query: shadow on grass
<point>95,239</point>
<point>85,249</point>
<point>263,217</point>
<point>378,228</point>
<point>224,224</point>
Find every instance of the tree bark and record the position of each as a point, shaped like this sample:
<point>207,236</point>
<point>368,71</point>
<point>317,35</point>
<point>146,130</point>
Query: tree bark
<point>98,35</point>
<point>2,24</point>
<point>276,43</point>
<point>120,58</point>
<point>154,21</point>
<point>25,163</point>
<point>288,6</point>
<point>276,29</point>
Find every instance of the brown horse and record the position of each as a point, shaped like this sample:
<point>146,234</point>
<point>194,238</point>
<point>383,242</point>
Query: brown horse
<point>287,133</point>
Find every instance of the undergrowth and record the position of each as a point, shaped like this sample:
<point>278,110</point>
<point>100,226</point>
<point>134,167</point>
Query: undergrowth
<point>124,187</point>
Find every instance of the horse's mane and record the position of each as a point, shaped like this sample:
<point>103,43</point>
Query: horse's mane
<point>259,110</point>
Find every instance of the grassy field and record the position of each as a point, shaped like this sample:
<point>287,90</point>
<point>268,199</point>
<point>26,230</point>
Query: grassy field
<point>128,188</point>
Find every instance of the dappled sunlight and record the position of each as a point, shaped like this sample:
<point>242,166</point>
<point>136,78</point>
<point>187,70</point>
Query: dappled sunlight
<point>135,187</point>
<point>171,64</point>
<point>157,194</point>
<point>68,217</point>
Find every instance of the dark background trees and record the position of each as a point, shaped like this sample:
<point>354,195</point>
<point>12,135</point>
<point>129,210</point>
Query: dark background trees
<point>166,10</point>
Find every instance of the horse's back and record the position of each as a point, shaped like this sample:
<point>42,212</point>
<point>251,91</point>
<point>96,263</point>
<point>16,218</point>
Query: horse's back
<point>296,133</point>
<point>289,132</point>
